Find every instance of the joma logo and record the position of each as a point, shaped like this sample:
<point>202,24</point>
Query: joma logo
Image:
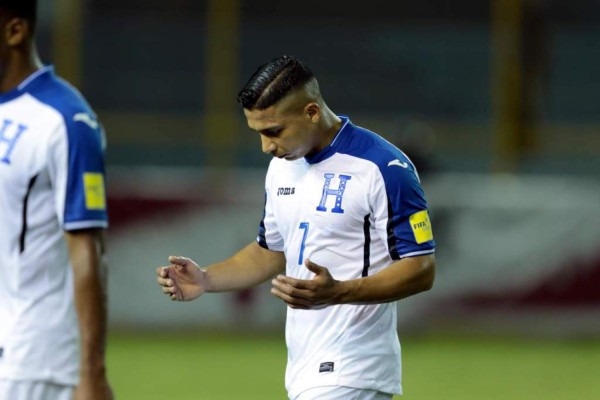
<point>285,191</point>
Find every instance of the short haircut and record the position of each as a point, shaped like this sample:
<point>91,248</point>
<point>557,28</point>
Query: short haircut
<point>26,9</point>
<point>272,81</point>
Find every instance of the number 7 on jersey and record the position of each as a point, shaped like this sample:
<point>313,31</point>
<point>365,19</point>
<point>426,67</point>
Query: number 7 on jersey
<point>303,225</point>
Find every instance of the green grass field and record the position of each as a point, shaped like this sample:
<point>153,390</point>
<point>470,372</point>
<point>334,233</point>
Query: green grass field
<point>227,367</point>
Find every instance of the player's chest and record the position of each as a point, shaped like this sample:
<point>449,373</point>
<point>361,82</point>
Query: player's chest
<point>336,197</point>
<point>22,152</point>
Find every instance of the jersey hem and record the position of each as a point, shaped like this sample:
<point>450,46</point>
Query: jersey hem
<point>351,383</point>
<point>24,375</point>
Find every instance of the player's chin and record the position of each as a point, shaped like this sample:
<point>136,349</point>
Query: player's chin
<point>289,157</point>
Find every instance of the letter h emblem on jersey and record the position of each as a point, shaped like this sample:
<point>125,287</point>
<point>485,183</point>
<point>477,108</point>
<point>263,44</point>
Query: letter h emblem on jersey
<point>338,193</point>
<point>10,141</point>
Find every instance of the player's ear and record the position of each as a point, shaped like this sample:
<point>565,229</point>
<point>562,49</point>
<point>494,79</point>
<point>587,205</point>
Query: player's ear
<point>312,111</point>
<point>16,30</point>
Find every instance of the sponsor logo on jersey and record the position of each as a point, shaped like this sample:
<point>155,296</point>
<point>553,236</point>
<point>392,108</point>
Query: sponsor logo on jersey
<point>326,367</point>
<point>93,184</point>
<point>286,191</point>
<point>86,119</point>
<point>398,163</point>
<point>421,226</point>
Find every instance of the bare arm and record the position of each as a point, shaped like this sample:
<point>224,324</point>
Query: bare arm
<point>401,279</point>
<point>248,267</point>
<point>252,265</point>
<point>86,250</point>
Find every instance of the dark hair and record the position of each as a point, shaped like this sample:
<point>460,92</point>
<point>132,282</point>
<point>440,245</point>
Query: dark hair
<point>272,81</point>
<point>26,9</point>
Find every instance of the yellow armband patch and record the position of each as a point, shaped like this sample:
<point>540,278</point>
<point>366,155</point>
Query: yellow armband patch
<point>421,227</point>
<point>93,184</point>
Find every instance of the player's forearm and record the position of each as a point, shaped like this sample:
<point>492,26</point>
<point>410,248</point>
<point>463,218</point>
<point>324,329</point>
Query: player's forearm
<point>89,274</point>
<point>91,308</point>
<point>401,279</point>
<point>249,267</point>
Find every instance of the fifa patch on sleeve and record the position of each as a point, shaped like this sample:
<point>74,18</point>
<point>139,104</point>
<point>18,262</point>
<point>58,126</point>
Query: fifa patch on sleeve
<point>421,227</point>
<point>93,184</point>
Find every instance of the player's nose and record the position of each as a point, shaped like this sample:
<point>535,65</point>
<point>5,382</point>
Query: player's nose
<point>268,147</point>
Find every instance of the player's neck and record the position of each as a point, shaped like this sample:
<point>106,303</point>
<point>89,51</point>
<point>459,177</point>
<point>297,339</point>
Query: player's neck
<point>21,65</point>
<point>332,125</point>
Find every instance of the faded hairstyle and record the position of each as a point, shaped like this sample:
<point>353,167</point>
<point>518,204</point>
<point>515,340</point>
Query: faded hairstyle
<point>26,9</point>
<point>272,81</point>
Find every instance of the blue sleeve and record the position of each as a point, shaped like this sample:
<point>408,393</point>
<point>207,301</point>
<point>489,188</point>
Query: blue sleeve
<point>85,201</point>
<point>408,226</point>
<point>78,160</point>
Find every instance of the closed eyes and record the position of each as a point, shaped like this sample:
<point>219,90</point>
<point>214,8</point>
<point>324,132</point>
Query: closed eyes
<point>272,132</point>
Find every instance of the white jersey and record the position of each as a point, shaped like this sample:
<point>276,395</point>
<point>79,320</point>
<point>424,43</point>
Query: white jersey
<point>353,208</point>
<point>51,180</point>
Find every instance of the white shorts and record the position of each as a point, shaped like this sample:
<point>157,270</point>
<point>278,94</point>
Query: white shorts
<point>342,393</point>
<point>34,390</point>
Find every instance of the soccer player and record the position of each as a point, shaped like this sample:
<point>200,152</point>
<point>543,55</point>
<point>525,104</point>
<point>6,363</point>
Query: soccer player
<point>52,214</point>
<point>345,234</point>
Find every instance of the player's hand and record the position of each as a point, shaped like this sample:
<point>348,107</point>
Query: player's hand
<point>307,294</point>
<point>182,280</point>
<point>93,388</point>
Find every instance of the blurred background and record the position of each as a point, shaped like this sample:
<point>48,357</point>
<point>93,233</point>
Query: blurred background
<point>496,101</point>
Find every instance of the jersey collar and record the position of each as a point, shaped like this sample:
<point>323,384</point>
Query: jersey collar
<point>27,83</point>
<point>331,149</point>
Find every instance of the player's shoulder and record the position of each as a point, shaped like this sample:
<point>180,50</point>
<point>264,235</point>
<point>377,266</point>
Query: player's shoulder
<point>60,95</point>
<point>370,146</point>
<point>66,101</point>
